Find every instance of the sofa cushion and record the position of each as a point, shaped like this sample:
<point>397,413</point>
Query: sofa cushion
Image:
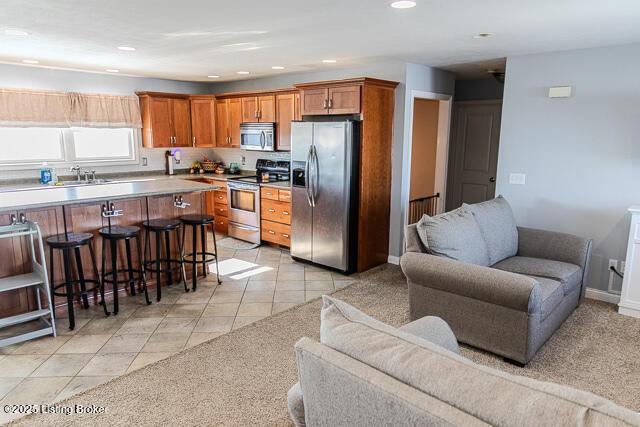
<point>552,295</point>
<point>569,275</point>
<point>454,235</point>
<point>498,227</point>
<point>493,396</point>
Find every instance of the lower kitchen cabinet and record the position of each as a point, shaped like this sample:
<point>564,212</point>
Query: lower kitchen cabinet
<point>275,215</point>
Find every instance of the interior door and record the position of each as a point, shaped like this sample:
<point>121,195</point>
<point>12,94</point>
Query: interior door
<point>160,122</point>
<point>476,135</point>
<point>235,118</point>
<point>267,108</point>
<point>181,122</point>
<point>330,194</point>
<point>202,122</point>
<point>302,212</point>
<point>222,124</point>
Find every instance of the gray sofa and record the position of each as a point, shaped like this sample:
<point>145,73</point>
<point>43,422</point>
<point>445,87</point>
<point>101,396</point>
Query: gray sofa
<point>508,300</point>
<point>366,373</point>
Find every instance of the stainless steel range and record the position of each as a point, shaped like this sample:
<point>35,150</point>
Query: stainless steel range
<point>244,198</point>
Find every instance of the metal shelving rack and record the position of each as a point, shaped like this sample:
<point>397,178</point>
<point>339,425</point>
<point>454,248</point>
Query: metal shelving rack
<point>37,279</point>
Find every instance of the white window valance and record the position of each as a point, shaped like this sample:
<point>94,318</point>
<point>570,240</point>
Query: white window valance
<point>27,108</point>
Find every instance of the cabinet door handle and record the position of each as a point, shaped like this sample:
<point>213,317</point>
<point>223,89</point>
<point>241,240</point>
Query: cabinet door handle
<point>325,104</point>
<point>269,194</point>
<point>331,103</point>
<point>194,141</point>
<point>285,213</point>
<point>286,236</point>
<point>272,210</point>
<point>272,232</point>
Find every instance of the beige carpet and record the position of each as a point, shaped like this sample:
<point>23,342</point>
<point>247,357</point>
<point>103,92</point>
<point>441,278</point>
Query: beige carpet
<point>241,378</point>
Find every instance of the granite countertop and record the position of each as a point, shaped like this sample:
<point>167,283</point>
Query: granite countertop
<point>37,197</point>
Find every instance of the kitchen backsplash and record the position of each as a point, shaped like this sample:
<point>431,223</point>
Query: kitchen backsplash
<point>228,155</point>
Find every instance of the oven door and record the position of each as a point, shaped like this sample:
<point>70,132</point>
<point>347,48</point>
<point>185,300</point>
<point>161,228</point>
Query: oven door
<point>244,204</point>
<point>257,136</point>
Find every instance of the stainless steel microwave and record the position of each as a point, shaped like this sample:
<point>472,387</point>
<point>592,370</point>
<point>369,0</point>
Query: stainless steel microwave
<point>257,136</point>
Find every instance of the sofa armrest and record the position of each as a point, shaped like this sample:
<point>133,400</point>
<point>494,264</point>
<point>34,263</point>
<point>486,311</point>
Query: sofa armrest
<point>553,245</point>
<point>435,330</point>
<point>295,404</point>
<point>486,284</point>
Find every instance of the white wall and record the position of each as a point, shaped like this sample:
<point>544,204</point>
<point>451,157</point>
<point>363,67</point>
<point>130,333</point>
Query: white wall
<point>581,155</point>
<point>17,76</point>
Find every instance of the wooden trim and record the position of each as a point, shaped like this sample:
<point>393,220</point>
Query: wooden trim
<point>164,95</point>
<point>349,82</point>
<point>255,93</point>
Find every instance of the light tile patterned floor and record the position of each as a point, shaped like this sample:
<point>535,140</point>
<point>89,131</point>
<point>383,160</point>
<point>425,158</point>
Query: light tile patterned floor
<point>256,284</point>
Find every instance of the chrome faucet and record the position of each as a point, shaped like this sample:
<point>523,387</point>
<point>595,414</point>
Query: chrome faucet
<point>77,171</point>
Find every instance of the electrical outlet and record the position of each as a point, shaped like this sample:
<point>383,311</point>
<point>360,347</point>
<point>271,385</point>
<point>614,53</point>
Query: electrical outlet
<point>144,161</point>
<point>244,160</point>
<point>613,263</point>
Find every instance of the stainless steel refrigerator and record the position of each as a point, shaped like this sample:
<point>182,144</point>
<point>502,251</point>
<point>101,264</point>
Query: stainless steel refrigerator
<point>324,178</point>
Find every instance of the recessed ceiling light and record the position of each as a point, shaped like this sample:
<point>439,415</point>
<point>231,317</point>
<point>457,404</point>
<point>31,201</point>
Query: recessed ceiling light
<point>277,67</point>
<point>243,72</point>
<point>15,32</point>
<point>213,77</point>
<point>483,35</point>
<point>126,48</point>
<point>30,61</point>
<point>403,4</point>
<point>329,61</point>
<point>112,70</point>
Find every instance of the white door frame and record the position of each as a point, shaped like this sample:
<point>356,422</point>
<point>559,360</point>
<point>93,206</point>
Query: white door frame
<point>442,150</point>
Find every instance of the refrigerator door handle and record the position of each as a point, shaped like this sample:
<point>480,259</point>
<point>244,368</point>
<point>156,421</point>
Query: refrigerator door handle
<point>306,176</point>
<point>316,175</point>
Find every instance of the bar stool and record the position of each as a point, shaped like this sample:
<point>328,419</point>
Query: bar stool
<point>114,234</point>
<point>199,221</point>
<point>163,228</point>
<point>66,243</point>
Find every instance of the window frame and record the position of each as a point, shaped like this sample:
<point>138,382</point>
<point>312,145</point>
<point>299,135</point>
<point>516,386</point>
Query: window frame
<point>70,159</point>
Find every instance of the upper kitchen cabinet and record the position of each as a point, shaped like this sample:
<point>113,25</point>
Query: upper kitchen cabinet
<point>228,119</point>
<point>258,109</point>
<point>166,120</point>
<point>203,121</point>
<point>287,110</point>
<point>333,97</point>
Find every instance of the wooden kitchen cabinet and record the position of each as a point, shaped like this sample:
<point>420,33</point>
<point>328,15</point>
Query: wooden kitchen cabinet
<point>166,120</point>
<point>287,110</point>
<point>203,125</point>
<point>275,215</point>
<point>228,119</point>
<point>258,109</point>
<point>327,98</point>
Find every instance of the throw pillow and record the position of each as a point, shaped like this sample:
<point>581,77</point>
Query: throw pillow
<point>498,227</point>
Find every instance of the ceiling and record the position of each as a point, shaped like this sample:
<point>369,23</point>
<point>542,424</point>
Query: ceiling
<point>192,39</point>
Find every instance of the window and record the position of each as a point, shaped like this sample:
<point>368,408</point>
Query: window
<point>102,144</point>
<point>29,145</point>
<point>26,147</point>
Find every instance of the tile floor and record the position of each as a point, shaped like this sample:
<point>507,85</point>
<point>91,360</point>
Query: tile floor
<point>256,283</point>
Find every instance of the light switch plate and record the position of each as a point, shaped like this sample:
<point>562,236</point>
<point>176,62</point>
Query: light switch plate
<point>560,92</point>
<point>517,178</point>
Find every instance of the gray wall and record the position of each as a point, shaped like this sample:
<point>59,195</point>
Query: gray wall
<point>16,76</point>
<point>581,155</point>
<point>478,89</point>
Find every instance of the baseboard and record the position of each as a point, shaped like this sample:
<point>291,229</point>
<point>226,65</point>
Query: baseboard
<point>605,296</point>
<point>393,260</point>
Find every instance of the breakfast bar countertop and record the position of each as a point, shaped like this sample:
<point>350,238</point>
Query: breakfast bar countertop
<point>64,195</point>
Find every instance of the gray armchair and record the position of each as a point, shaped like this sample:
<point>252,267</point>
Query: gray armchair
<point>509,308</point>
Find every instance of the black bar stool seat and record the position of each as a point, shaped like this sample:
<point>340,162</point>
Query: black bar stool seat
<point>199,257</point>
<point>163,228</point>
<point>114,234</point>
<point>195,219</point>
<point>74,242</point>
<point>119,232</point>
